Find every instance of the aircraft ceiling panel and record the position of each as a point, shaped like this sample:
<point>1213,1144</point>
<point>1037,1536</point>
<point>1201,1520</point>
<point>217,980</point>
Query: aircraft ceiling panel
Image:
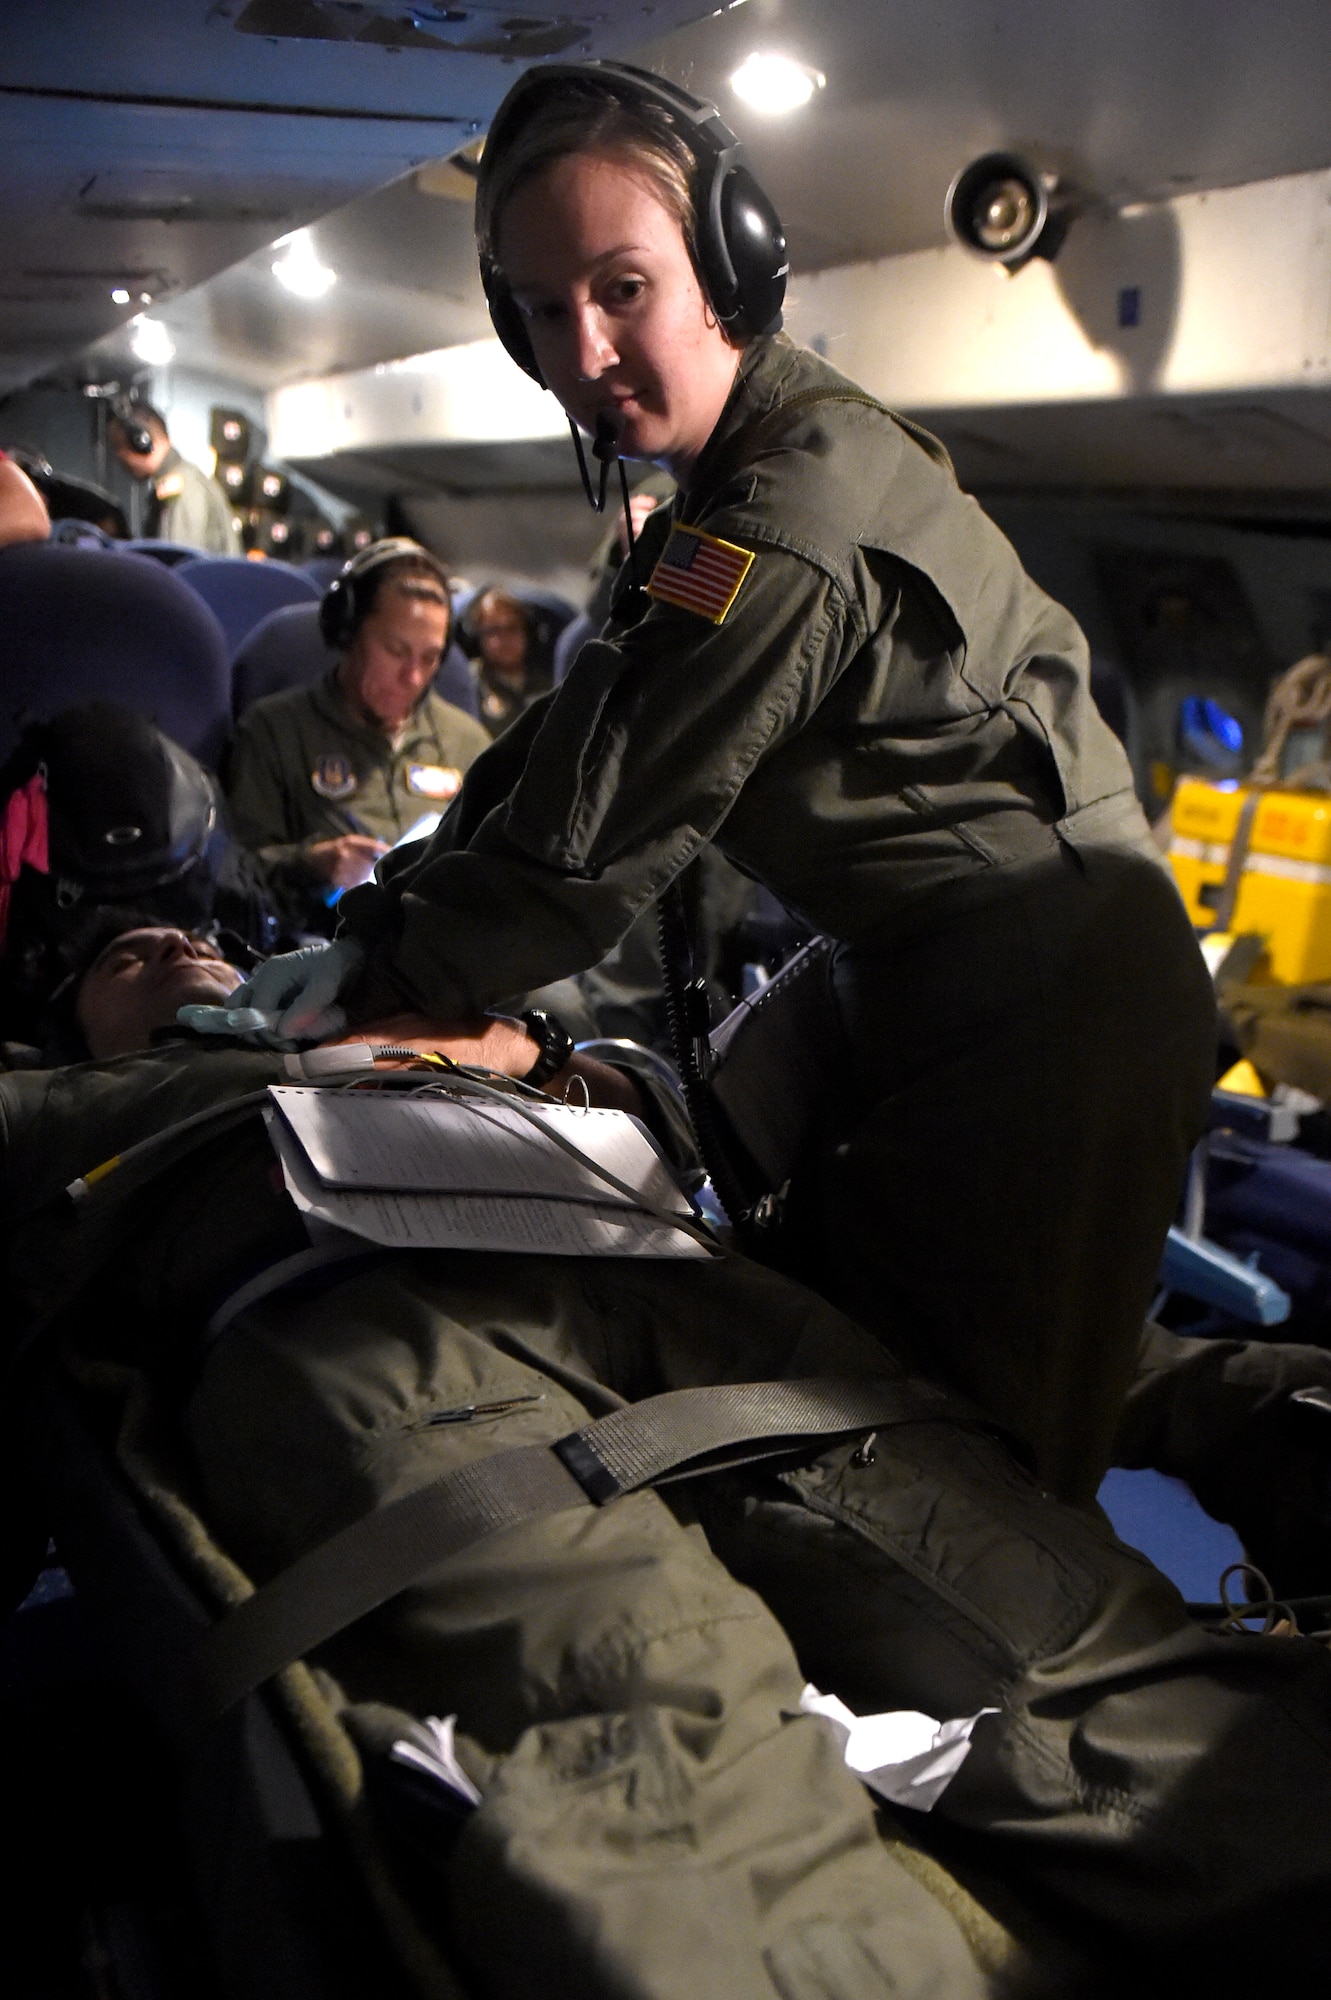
<point>153,143</point>
<point>1135,101</point>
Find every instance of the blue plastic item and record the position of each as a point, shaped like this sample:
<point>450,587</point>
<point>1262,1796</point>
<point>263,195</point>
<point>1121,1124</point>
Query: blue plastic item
<point>1204,1271</point>
<point>1160,1517</point>
<point>1209,734</point>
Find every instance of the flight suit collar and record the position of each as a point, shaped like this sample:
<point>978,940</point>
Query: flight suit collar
<point>768,366</point>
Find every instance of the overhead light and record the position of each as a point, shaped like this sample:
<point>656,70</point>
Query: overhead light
<point>145,298</point>
<point>120,297</point>
<point>150,342</point>
<point>299,269</point>
<point>775,84</point>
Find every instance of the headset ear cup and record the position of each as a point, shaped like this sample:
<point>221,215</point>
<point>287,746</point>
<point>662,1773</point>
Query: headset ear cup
<point>334,615</point>
<point>756,250</point>
<point>509,324</point>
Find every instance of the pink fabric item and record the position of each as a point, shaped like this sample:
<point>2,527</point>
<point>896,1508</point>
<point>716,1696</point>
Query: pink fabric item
<point>22,839</point>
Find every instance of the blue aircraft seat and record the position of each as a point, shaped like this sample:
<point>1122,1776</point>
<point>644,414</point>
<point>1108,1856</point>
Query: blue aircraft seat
<point>283,650</point>
<point>286,649</point>
<point>321,570</point>
<point>240,592</point>
<point>170,553</point>
<point>456,682</point>
<point>81,624</point>
<point>75,534</point>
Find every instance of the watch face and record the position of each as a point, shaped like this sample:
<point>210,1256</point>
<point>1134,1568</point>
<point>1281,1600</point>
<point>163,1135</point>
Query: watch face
<point>334,777</point>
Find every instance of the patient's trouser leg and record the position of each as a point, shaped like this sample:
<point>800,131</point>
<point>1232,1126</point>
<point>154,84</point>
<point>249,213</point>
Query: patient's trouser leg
<point>1026,1085</point>
<point>658,1821</point>
<point>622,1697</point>
<point>1169,1783</point>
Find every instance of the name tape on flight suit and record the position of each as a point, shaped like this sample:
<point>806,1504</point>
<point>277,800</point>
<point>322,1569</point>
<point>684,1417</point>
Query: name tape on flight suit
<point>700,573</point>
<point>433,781</point>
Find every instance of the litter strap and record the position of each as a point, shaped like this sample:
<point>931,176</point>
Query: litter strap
<point>1223,915</point>
<point>678,1435</point>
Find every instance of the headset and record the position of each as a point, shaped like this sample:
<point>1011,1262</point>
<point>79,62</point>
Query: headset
<point>345,604</point>
<point>128,414</point>
<point>740,247</point>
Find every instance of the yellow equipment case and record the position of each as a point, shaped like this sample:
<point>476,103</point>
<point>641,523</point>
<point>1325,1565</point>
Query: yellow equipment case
<point>1278,886</point>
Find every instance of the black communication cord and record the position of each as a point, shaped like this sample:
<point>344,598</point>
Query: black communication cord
<point>605,450</point>
<point>688,1012</point>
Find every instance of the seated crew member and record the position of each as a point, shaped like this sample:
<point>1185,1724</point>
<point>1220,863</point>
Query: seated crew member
<point>323,780</point>
<point>507,681</point>
<point>23,515</point>
<point>184,504</point>
<point>655,1814</point>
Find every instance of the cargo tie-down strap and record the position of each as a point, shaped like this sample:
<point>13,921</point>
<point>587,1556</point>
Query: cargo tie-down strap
<point>675,1436</point>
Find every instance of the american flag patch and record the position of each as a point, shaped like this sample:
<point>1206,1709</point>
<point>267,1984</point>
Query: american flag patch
<point>699,573</point>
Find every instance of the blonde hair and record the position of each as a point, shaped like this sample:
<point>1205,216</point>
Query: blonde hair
<point>589,116</point>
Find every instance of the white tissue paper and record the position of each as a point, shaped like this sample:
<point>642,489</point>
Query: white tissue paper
<point>440,1760</point>
<point>902,1755</point>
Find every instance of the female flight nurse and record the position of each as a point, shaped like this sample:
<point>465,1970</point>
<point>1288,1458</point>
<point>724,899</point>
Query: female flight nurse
<point>839,674</point>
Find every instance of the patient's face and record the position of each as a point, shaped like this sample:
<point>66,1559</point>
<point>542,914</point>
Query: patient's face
<point>140,980</point>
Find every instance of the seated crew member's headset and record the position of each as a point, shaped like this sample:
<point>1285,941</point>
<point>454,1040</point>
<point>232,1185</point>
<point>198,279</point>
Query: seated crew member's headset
<point>739,247</point>
<point>345,604</point>
<point>740,256</point>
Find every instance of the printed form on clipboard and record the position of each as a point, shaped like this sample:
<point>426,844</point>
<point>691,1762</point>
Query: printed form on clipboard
<point>438,1172</point>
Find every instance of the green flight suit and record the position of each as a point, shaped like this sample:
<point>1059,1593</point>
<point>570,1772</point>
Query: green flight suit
<point>304,767</point>
<point>892,729</point>
<point>656,1823</point>
<point>186,506</point>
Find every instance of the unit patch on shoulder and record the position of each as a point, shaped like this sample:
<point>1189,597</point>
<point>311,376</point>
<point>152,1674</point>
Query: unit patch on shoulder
<point>334,777</point>
<point>433,781</point>
<point>170,486</point>
<point>699,573</point>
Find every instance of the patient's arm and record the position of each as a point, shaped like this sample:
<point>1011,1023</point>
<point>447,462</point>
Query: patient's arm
<point>493,1041</point>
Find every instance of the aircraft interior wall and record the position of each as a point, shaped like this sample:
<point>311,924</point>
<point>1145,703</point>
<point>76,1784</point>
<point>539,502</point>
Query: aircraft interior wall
<point>1173,606</point>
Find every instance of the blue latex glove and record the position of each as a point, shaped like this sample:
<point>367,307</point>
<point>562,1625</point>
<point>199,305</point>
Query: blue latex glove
<point>288,1001</point>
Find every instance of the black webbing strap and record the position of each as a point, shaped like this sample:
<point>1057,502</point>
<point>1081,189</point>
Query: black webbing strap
<point>1231,882</point>
<point>678,1435</point>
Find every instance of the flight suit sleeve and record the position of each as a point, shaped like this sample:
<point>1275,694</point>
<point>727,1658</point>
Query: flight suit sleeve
<point>629,769</point>
<point>261,788</point>
<point>193,517</point>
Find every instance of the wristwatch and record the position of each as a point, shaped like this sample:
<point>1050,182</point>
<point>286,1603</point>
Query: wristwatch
<point>556,1045</point>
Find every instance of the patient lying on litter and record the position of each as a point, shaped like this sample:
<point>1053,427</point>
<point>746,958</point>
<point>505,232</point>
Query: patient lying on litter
<point>644,1802</point>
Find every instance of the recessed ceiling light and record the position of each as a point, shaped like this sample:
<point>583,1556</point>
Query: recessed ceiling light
<point>145,298</point>
<point>120,297</point>
<point>774,84</point>
<point>150,342</point>
<point>299,269</point>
